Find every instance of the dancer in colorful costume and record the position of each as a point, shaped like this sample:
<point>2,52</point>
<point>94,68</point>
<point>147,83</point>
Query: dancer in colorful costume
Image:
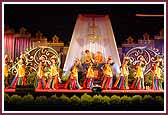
<point>73,80</point>
<point>97,66</point>
<point>157,81</point>
<point>88,83</point>
<point>87,59</point>
<point>108,74</point>
<point>122,80</point>
<point>41,83</point>
<point>54,74</point>
<point>20,78</point>
<point>98,58</point>
<point>138,82</point>
<point>6,71</point>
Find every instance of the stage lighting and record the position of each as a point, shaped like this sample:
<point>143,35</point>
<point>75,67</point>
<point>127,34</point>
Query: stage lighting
<point>96,89</point>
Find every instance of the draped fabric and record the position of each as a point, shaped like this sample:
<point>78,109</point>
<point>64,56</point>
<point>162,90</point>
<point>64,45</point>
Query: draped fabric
<point>80,40</point>
<point>9,40</point>
<point>14,46</point>
<point>21,44</point>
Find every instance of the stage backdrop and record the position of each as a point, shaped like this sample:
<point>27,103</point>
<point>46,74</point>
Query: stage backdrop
<point>93,33</point>
<point>15,44</point>
<point>9,40</point>
<point>21,44</point>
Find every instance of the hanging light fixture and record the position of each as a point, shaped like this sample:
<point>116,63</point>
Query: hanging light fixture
<point>93,31</point>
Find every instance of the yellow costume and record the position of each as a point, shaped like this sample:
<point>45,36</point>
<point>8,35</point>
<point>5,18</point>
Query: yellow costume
<point>54,71</point>
<point>138,83</point>
<point>21,70</point>
<point>108,77</point>
<point>21,74</point>
<point>20,78</point>
<point>124,71</point>
<point>157,83</point>
<point>88,82</point>
<point>157,72</point>
<point>74,78</point>
<point>53,81</point>
<point>73,81</point>
<point>74,73</point>
<point>122,80</point>
<point>108,70</point>
<point>139,71</point>
<point>40,72</point>
<point>90,72</point>
<point>6,68</point>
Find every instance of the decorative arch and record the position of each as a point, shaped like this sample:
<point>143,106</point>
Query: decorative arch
<point>150,55</point>
<point>34,54</point>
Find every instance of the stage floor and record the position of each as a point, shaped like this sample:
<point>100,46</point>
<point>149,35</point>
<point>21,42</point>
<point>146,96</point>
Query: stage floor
<point>90,91</point>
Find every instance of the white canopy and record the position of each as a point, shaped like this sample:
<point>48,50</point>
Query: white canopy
<point>83,39</point>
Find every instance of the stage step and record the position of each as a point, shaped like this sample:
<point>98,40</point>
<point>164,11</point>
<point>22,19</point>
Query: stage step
<point>89,91</point>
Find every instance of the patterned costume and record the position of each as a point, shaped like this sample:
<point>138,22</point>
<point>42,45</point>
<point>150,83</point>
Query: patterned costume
<point>122,80</point>
<point>138,82</point>
<point>74,77</point>
<point>54,74</point>
<point>6,70</point>
<point>156,83</point>
<point>20,78</point>
<point>40,77</point>
<point>108,75</point>
<point>73,80</point>
<point>88,83</point>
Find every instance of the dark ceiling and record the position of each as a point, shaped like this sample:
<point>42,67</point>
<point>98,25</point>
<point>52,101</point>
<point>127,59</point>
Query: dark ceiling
<point>60,19</point>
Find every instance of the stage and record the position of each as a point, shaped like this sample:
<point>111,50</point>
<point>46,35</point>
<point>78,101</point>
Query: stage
<point>90,91</point>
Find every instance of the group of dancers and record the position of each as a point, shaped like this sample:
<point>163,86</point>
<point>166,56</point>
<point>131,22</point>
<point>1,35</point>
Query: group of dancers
<point>90,67</point>
<point>20,78</point>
